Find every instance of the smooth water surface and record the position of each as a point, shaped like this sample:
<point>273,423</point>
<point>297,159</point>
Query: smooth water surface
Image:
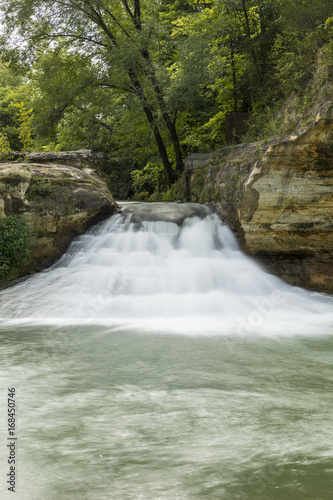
<point>158,362</point>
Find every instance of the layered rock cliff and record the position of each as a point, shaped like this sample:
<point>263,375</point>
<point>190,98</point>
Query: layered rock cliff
<point>278,198</point>
<point>56,199</point>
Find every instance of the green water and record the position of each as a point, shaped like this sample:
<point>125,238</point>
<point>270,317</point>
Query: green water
<point>114,414</point>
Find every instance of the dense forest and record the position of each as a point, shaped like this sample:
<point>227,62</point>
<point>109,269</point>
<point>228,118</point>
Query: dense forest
<point>147,82</point>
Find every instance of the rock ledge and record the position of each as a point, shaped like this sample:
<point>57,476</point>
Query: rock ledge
<point>58,201</point>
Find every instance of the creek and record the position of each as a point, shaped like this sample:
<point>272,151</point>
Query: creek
<point>155,360</point>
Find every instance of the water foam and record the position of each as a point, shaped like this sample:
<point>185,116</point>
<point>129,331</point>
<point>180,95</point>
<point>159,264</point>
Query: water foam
<point>188,277</point>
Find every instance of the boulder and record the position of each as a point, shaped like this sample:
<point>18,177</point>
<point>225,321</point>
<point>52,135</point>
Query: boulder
<point>57,201</point>
<point>162,212</point>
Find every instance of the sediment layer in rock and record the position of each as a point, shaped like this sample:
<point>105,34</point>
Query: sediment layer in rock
<point>278,198</point>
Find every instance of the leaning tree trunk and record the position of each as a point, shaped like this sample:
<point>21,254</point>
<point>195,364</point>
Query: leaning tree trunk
<point>171,126</point>
<point>170,172</point>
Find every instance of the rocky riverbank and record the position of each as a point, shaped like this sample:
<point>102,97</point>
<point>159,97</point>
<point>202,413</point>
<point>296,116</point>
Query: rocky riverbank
<point>278,199</point>
<point>59,195</point>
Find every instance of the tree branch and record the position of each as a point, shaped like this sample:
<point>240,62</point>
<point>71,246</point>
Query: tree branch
<point>95,120</point>
<point>136,17</point>
<point>116,87</point>
<point>137,14</point>
<point>128,10</point>
<point>71,35</point>
<point>117,23</point>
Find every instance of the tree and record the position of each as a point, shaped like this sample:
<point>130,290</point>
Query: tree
<point>121,39</point>
<point>13,93</point>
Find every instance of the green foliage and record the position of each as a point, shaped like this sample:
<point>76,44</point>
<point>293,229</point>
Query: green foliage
<point>12,89</point>
<point>51,147</point>
<point>167,196</point>
<point>134,82</point>
<point>149,181</point>
<point>109,47</point>
<point>4,146</point>
<point>24,119</point>
<point>305,16</point>
<point>15,236</point>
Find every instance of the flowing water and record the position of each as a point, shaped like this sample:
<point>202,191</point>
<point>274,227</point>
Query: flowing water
<point>156,361</point>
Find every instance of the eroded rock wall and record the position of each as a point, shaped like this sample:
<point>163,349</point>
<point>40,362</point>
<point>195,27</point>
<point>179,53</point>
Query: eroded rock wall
<point>278,198</point>
<point>57,201</point>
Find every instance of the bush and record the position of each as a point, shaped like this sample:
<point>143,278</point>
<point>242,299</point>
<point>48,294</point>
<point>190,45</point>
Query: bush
<point>4,147</point>
<point>15,236</point>
<point>150,181</point>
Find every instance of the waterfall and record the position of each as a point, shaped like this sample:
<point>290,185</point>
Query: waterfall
<point>165,268</point>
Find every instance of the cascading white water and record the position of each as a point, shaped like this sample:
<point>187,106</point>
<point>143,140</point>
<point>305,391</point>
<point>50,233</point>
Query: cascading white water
<point>160,276</point>
<point>228,411</point>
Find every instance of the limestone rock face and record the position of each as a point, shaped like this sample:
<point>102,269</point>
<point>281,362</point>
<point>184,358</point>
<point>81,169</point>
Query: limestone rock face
<point>287,205</point>
<point>57,201</point>
<point>83,158</point>
<point>278,198</point>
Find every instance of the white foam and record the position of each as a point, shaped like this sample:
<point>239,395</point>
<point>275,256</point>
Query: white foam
<point>161,277</point>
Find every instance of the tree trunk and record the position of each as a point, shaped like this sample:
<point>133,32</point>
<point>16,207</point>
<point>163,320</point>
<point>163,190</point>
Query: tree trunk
<point>233,67</point>
<point>171,126</point>
<point>248,33</point>
<point>171,174</point>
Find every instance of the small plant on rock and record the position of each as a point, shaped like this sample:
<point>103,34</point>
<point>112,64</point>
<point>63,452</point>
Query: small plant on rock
<point>15,236</point>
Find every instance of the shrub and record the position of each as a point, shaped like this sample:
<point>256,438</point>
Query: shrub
<point>15,236</point>
<point>4,147</point>
<point>51,147</point>
<point>25,119</point>
<point>151,180</point>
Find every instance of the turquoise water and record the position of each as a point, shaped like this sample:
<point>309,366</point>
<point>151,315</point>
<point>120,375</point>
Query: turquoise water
<point>158,362</point>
